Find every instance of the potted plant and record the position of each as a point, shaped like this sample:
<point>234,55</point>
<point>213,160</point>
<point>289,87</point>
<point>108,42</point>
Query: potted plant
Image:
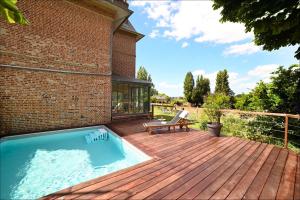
<point>212,108</point>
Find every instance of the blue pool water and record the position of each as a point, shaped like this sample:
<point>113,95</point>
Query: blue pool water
<point>35,165</point>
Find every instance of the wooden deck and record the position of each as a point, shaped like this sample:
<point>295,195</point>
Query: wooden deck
<point>195,165</point>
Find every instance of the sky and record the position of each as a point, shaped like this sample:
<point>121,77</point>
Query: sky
<point>186,36</point>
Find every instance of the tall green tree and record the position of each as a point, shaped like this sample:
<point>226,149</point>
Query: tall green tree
<point>10,12</point>
<point>196,94</point>
<point>143,74</point>
<point>275,23</point>
<point>201,90</point>
<point>222,83</point>
<point>188,86</point>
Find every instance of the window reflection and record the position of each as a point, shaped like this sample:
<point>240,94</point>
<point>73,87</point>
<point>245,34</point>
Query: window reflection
<point>130,98</point>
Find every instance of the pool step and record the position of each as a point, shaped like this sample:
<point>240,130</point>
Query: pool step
<point>100,134</point>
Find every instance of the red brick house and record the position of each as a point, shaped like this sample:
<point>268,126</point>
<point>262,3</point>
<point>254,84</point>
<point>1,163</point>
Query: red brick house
<point>73,66</point>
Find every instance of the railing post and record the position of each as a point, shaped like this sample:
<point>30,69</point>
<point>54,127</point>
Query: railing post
<point>152,111</point>
<point>286,128</point>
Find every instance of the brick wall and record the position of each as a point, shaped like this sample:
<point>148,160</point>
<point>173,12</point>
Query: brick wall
<point>123,58</point>
<point>62,37</point>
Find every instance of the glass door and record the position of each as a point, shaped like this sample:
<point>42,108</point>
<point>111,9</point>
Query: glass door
<point>134,100</point>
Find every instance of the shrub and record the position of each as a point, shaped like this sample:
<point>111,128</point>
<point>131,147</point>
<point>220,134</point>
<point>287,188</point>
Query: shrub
<point>201,120</point>
<point>213,105</point>
<point>177,101</point>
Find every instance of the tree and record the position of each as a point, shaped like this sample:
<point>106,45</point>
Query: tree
<point>160,98</point>
<point>142,74</point>
<point>196,94</point>
<point>285,84</point>
<point>188,86</point>
<point>10,12</point>
<point>242,101</point>
<point>261,99</point>
<point>222,83</point>
<point>282,94</point>
<point>213,105</point>
<point>201,90</point>
<point>275,23</point>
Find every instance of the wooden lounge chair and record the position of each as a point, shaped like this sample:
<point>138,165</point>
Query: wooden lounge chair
<point>179,120</point>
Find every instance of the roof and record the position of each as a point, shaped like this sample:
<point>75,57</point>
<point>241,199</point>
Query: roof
<point>129,80</point>
<point>128,27</point>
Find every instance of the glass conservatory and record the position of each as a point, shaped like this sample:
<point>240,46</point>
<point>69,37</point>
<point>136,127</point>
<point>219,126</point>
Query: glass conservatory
<point>130,96</point>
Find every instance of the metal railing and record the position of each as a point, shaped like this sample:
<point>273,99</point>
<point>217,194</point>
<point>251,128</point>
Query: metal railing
<point>285,115</point>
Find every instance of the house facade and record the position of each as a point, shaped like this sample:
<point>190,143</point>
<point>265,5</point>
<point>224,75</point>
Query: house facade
<point>72,66</point>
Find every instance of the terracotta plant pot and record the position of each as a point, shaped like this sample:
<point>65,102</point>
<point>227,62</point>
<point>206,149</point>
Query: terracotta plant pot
<point>214,128</point>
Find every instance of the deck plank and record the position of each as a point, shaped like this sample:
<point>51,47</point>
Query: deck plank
<point>173,187</point>
<point>297,183</point>
<point>229,185</point>
<point>194,186</point>
<point>258,183</point>
<point>156,147</point>
<point>195,165</point>
<point>179,143</point>
<point>233,165</point>
<point>142,183</point>
<point>240,189</point>
<point>130,176</point>
<point>203,153</point>
<point>271,187</point>
<point>164,170</point>
<point>213,187</point>
<point>287,183</point>
<point>220,156</point>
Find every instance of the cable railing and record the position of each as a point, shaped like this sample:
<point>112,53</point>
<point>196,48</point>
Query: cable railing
<point>285,123</point>
<point>281,129</point>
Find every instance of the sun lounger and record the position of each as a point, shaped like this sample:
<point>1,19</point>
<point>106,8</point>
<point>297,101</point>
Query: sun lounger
<point>180,120</point>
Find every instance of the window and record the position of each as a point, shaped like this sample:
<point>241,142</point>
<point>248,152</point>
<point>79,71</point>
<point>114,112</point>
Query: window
<point>130,98</point>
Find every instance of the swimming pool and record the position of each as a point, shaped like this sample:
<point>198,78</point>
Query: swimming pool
<point>34,165</point>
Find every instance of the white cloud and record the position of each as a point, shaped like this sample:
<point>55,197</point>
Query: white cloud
<point>240,49</point>
<point>170,89</point>
<point>184,45</point>
<point>138,3</point>
<point>192,19</point>
<point>154,33</point>
<point>158,10</point>
<point>263,70</point>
